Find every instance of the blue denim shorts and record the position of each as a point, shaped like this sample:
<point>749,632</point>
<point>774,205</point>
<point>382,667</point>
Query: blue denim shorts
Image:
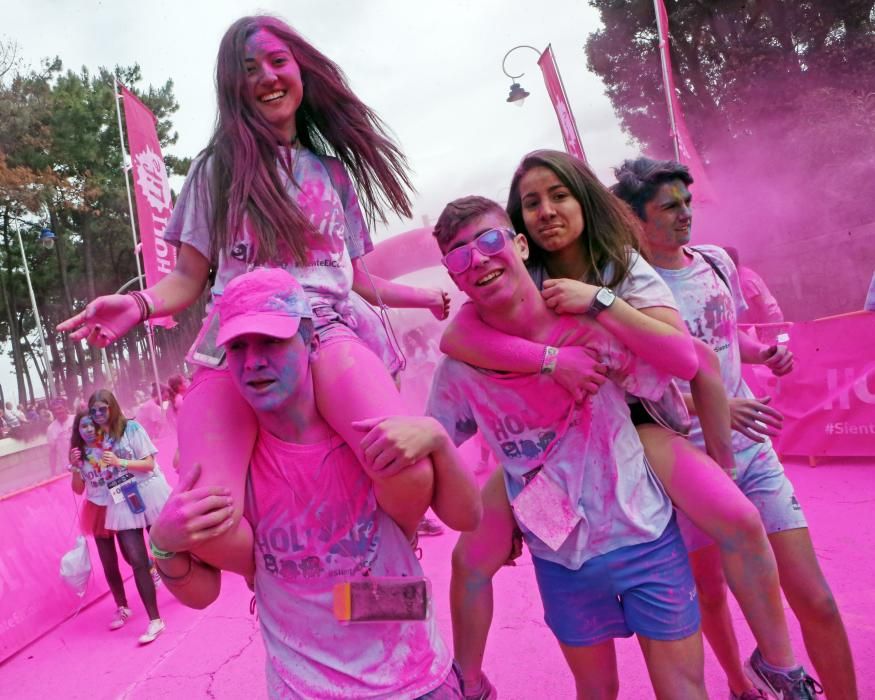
<point>645,589</point>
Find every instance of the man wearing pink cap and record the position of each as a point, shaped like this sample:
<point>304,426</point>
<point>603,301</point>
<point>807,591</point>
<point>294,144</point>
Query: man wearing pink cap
<point>322,522</point>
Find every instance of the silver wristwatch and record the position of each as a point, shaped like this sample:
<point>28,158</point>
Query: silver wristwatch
<point>604,297</point>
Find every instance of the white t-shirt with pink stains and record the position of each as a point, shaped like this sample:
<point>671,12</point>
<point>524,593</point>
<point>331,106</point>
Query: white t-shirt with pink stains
<point>592,452</point>
<point>710,309</point>
<point>317,523</point>
<point>323,190</point>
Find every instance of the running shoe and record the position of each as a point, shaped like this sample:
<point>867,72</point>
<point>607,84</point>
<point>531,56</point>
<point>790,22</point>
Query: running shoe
<point>429,528</point>
<point>485,690</point>
<point>749,694</point>
<point>794,685</point>
<point>155,628</point>
<point>121,617</point>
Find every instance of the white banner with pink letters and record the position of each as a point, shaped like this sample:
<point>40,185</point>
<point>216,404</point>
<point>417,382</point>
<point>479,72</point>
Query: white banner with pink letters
<point>828,400</point>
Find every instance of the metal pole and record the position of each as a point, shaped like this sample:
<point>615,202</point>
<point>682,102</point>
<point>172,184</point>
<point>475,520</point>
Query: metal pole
<point>121,135</point>
<point>47,361</point>
<point>666,82</point>
<point>103,356</point>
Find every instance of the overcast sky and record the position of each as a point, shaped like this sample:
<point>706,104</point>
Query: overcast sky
<point>430,68</point>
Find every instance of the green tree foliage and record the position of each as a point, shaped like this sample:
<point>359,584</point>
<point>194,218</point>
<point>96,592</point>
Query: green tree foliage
<point>779,96</point>
<point>61,167</point>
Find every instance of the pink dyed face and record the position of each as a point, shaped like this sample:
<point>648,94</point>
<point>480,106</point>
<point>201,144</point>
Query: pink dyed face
<point>268,371</point>
<point>274,80</point>
<point>490,280</point>
<point>553,217</point>
<point>668,217</point>
<point>87,431</point>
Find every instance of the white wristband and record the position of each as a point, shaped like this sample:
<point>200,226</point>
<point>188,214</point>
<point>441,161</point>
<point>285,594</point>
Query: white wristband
<point>551,356</point>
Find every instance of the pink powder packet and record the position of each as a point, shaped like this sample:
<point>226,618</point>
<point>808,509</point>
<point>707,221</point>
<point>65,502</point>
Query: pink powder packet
<point>382,599</point>
<point>544,509</point>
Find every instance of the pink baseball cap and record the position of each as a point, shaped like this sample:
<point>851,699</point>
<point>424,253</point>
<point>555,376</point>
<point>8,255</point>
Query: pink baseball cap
<point>267,301</point>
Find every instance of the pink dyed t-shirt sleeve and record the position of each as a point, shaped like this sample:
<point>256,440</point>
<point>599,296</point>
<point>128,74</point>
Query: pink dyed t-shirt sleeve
<point>189,222</point>
<point>356,235</point>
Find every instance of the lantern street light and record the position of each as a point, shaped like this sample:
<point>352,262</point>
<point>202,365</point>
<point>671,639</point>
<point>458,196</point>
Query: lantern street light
<point>47,239</point>
<point>518,93</point>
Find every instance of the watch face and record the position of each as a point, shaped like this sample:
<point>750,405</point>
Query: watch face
<point>605,296</point>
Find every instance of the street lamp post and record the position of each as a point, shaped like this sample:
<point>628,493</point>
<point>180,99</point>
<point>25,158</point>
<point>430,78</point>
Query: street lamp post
<point>518,93</point>
<point>47,238</point>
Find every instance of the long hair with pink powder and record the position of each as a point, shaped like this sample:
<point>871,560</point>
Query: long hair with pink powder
<point>610,230</point>
<point>244,151</point>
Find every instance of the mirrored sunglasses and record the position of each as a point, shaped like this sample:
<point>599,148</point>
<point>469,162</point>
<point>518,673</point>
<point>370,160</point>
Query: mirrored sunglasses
<point>489,243</point>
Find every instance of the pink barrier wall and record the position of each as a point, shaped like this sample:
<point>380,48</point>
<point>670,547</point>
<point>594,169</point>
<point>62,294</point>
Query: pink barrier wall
<point>828,400</point>
<point>37,527</point>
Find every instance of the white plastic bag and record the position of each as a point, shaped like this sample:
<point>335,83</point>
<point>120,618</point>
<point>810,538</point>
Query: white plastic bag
<point>76,567</point>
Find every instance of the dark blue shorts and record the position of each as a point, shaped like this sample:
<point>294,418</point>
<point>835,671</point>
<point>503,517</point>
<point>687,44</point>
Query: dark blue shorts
<point>644,589</point>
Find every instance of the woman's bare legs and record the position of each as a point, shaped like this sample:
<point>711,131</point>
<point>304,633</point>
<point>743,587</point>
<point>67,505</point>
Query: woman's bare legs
<point>478,555</point>
<point>707,496</point>
<point>716,618</point>
<point>352,384</point>
<point>133,548</point>
<point>109,559</point>
<point>217,429</point>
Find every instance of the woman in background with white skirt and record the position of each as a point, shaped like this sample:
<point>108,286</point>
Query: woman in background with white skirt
<point>138,491</point>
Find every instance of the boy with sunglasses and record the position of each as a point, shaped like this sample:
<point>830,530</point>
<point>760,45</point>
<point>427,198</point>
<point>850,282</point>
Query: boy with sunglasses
<point>607,552</point>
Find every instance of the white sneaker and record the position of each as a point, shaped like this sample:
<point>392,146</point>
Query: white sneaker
<point>121,617</point>
<point>155,628</point>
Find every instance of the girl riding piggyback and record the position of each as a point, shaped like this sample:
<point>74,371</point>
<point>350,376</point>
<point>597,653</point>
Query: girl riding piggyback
<point>265,192</point>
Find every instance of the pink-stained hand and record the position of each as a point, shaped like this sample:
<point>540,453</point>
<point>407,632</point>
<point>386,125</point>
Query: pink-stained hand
<point>75,456</point>
<point>579,371</point>
<point>778,359</point>
<point>104,320</point>
<point>566,296</point>
<point>192,515</point>
<point>440,307</point>
<point>395,443</point>
<point>754,419</point>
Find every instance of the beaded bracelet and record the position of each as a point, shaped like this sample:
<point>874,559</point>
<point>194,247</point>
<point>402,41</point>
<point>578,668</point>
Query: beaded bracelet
<point>144,303</point>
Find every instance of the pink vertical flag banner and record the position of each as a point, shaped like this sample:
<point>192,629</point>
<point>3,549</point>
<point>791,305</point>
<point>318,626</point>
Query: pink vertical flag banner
<point>686,151</point>
<point>152,192</point>
<point>556,90</point>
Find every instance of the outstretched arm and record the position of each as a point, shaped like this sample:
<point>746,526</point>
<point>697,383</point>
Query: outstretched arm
<point>399,296</point>
<point>110,317</point>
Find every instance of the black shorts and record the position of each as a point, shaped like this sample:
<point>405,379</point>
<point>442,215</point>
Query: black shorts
<point>639,414</point>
